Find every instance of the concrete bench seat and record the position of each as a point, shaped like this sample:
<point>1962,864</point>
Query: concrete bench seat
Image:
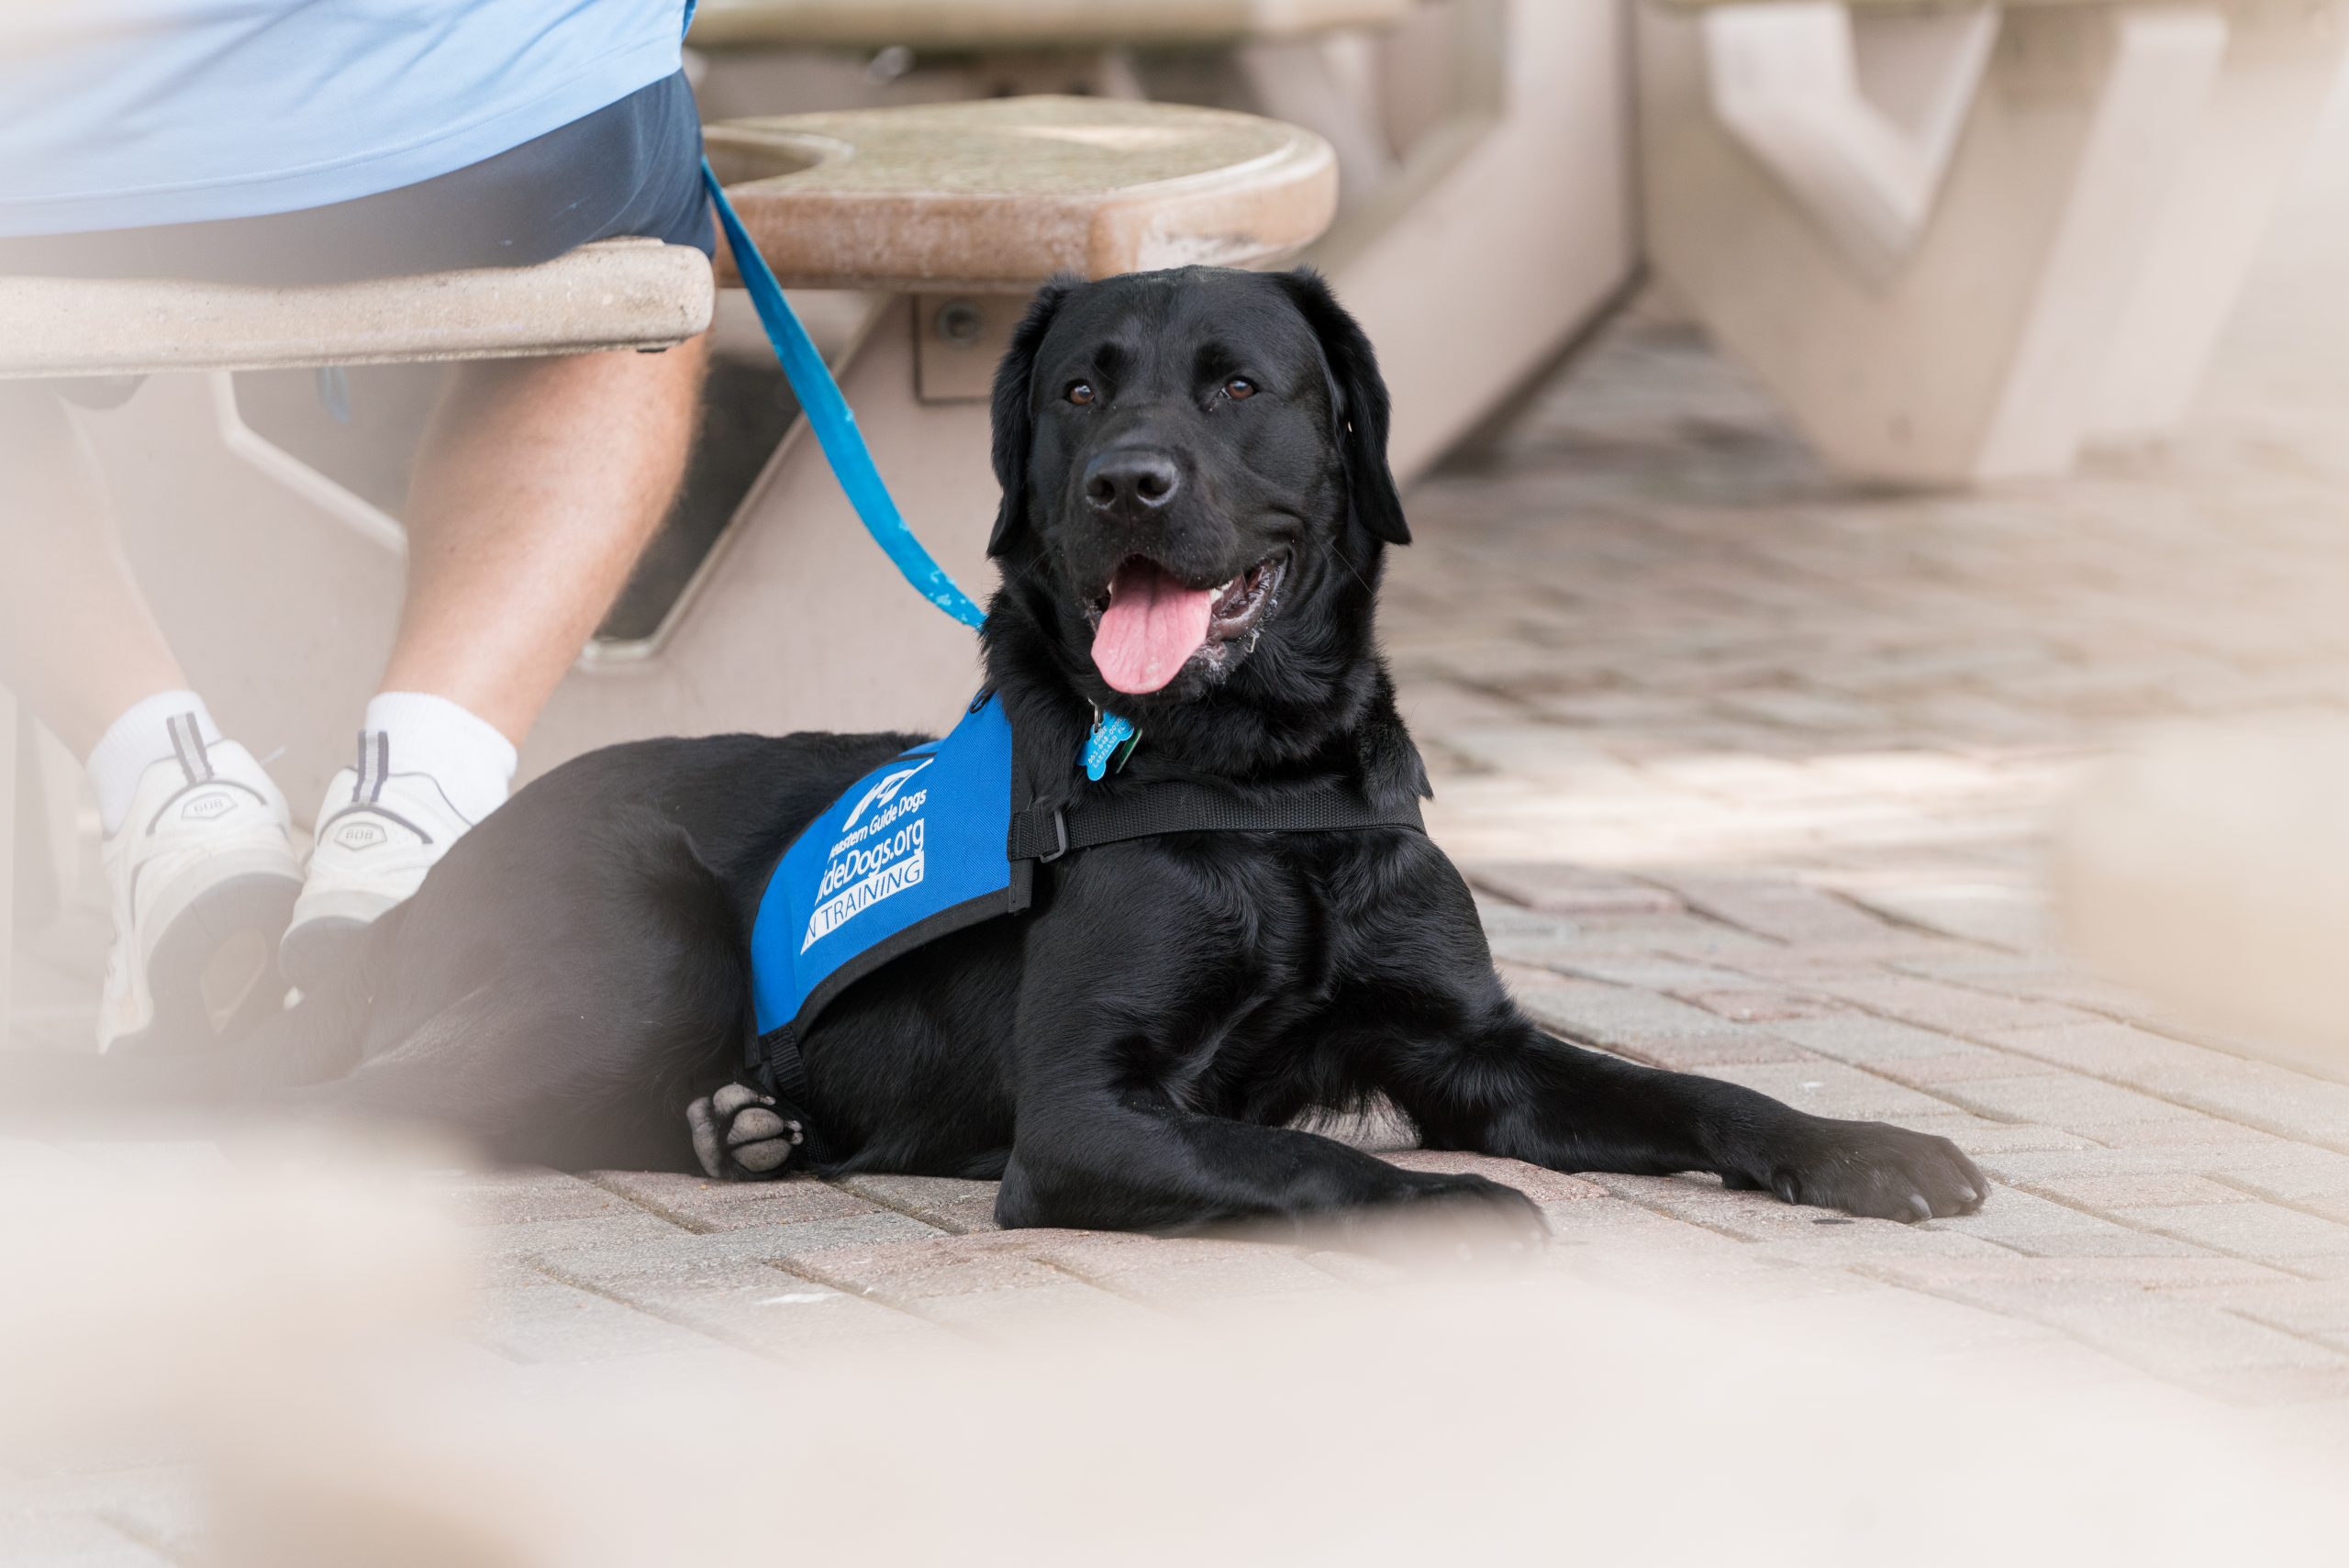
<point>621,294</point>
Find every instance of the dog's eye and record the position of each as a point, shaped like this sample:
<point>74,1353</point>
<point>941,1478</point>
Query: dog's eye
<point>1080,392</point>
<point>1239,387</point>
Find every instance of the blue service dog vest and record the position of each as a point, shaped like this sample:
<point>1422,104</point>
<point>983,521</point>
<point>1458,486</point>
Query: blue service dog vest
<point>934,840</point>
<point>913,850</point>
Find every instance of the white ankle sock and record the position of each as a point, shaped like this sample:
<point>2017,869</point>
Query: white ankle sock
<point>137,741</point>
<point>465,755</point>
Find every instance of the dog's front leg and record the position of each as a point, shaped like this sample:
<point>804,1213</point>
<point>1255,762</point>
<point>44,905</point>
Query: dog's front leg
<point>1495,1084</point>
<point>1135,1162</point>
<point>1109,1134</point>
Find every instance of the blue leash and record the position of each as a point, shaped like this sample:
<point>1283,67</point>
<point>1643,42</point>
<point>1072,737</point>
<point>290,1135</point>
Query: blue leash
<point>834,423</point>
<point>1112,739</point>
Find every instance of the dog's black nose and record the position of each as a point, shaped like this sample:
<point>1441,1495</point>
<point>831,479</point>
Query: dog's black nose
<point>1133,479</point>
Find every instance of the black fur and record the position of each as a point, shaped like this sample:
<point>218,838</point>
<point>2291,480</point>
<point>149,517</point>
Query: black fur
<point>572,981</point>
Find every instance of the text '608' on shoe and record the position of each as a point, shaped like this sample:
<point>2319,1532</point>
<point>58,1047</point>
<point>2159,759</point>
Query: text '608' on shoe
<point>201,879</point>
<point>378,832</point>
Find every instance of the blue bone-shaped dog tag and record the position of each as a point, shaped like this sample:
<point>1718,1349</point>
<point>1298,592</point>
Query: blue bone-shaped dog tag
<point>1109,732</point>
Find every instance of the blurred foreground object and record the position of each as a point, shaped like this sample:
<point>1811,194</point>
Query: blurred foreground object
<point>2211,868</point>
<point>1961,244</point>
<point>289,1331</point>
<point>162,1300</point>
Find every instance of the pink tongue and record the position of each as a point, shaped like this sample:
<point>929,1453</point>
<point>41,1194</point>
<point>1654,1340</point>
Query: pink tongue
<point>1153,624</point>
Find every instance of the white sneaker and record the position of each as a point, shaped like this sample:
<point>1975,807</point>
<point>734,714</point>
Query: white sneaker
<point>201,877</point>
<point>378,832</point>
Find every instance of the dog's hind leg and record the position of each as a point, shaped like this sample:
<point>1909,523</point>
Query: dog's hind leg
<point>524,1083</point>
<point>584,1045</point>
<point>581,1049</point>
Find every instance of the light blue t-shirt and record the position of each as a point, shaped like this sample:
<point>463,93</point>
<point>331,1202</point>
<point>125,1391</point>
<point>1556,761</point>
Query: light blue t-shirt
<point>119,113</point>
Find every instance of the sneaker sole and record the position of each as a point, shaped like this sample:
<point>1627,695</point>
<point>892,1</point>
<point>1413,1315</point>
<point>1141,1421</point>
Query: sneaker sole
<point>212,973</point>
<point>318,946</point>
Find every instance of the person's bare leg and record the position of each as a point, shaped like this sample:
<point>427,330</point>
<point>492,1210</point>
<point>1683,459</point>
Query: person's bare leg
<point>538,484</point>
<point>77,642</point>
<point>199,872</point>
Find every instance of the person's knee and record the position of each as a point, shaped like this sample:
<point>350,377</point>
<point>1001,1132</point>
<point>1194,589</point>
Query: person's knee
<point>628,380</point>
<point>682,368</point>
<point>654,394</point>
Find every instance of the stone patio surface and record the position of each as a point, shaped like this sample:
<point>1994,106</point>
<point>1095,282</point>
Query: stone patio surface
<point>1753,770</point>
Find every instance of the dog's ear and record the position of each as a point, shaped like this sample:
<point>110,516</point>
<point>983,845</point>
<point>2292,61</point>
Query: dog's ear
<point>1014,407</point>
<point>1358,401</point>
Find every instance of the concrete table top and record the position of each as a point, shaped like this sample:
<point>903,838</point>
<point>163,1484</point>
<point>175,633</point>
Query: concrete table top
<point>1002,193</point>
<point>1030,24</point>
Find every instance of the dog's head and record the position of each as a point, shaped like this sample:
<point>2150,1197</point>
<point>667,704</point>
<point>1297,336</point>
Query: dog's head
<point>1195,492</point>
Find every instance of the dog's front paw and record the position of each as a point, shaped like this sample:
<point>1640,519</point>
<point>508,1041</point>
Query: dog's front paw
<point>739,1135</point>
<point>1869,1168</point>
<point>1455,1217</point>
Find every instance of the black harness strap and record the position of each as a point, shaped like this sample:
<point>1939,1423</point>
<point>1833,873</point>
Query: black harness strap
<point>777,1068</point>
<point>1045,833</point>
<point>1048,832</point>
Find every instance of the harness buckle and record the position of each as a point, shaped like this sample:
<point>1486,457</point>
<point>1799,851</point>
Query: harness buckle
<point>1059,831</point>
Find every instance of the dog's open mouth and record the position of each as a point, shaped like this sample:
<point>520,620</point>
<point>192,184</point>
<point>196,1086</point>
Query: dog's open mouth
<point>1151,623</point>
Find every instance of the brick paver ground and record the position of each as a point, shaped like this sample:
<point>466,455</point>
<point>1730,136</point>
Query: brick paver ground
<point>1752,768</point>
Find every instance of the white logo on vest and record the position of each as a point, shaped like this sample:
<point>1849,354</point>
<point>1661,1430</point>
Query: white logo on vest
<point>871,862</point>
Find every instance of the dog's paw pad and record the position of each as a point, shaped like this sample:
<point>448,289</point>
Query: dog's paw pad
<point>763,1158</point>
<point>756,1125</point>
<point>734,1098</point>
<point>737,1135</point>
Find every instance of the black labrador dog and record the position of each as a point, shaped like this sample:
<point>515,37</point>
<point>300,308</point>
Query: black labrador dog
<point>1196,503</point>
